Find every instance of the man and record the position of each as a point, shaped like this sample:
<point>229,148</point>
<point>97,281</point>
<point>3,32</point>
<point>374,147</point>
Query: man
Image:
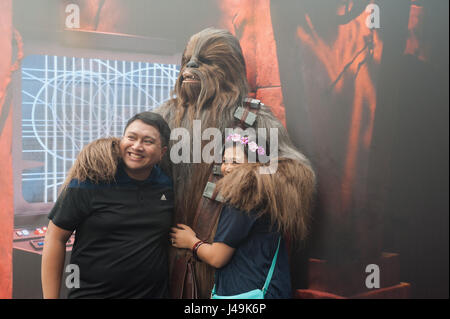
<point>121,225</point>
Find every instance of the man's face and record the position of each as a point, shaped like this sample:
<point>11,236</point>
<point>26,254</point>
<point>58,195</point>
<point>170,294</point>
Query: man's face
<point>141,149</point>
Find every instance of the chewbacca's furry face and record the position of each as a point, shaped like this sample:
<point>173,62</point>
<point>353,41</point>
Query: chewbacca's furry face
<point>212,71</point>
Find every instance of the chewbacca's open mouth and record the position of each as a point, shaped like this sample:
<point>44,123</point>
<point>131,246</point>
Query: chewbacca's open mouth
<point>189,77</point>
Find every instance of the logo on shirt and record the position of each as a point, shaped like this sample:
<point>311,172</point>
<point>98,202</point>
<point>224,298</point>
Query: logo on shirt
<point>163,197</point>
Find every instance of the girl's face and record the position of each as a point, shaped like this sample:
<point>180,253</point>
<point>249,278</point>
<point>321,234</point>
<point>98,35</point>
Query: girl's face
<point>232,157</point>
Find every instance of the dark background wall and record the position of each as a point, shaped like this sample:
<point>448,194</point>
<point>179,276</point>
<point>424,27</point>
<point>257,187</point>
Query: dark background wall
<point>399,202</point>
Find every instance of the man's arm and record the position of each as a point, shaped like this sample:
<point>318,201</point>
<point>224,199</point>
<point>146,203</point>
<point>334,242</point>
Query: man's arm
<point>53,257</point>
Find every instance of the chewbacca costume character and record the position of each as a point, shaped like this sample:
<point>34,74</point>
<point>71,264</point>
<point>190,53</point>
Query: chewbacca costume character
<point>211,86</point>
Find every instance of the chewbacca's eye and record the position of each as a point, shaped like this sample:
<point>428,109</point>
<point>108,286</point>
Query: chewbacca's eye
<point>204,60</point>
<point>185,59</point>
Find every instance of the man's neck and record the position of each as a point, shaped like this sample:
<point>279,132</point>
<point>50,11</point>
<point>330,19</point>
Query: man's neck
<point>138,175</point>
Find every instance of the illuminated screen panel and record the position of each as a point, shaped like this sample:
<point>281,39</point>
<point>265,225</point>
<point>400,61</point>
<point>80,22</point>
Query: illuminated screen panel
<point>67,102</point>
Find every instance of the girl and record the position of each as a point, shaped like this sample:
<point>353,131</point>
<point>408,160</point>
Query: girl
<point>246,243</point>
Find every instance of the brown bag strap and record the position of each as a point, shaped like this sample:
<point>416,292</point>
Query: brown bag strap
<point>190,290</point>
<point>245,114</point>
<point>208,209</point>
<point>211,203</point>
<point>178,276</point>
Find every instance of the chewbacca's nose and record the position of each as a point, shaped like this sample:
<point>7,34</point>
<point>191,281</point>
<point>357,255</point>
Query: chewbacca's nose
<point>192,64</point>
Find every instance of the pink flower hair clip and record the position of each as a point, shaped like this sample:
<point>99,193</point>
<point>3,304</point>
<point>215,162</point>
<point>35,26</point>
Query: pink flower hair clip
<point>252,146</point>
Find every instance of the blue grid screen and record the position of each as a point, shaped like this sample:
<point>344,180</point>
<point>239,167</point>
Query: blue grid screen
<point>68,102</point>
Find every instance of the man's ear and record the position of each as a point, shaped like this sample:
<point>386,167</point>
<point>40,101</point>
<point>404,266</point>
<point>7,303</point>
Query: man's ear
<point>163,151</point>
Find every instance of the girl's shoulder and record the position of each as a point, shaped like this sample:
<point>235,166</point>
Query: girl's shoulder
<point>230,209</point>
<point>254,217</point>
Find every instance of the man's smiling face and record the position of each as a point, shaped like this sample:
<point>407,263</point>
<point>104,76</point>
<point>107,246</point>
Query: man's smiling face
<point>141,149</point>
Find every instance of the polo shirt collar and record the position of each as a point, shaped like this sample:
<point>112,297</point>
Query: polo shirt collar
<point>123,178</point>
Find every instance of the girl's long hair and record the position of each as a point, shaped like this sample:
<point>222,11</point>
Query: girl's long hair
<point>286,196</point>
<point>96,162</point>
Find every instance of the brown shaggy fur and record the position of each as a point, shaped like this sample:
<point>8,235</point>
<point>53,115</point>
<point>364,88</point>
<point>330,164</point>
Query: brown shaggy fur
<point>286,195</point>
<point>96,162</point>
<point>220,68</point>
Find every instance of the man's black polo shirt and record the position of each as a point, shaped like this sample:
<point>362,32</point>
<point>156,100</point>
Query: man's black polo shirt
<point>122,231</point>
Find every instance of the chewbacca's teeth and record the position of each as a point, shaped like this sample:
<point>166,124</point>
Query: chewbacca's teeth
<point>189,77</point>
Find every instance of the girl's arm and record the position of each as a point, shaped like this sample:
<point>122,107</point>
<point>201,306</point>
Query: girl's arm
<point>215,254</point>
<point>53,257</point>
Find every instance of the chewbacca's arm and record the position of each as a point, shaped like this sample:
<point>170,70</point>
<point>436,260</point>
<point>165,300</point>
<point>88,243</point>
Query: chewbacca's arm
<point>165,111</point>
<point>286,148</point>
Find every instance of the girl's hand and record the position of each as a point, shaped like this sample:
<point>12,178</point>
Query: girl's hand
<point>183,236</point>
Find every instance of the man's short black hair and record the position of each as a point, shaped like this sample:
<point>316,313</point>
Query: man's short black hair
<point>155,120</point>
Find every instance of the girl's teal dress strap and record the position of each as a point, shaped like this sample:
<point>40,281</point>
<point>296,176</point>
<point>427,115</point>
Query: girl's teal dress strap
<point>256,293</point>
